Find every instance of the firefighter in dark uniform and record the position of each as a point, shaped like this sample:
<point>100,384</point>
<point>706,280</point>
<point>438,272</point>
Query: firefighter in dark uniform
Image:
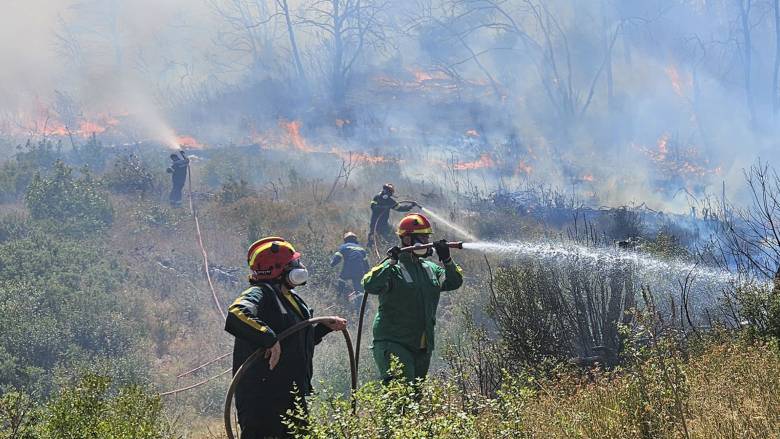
<point>178,171</point>
<point>354,259</point>
<point>381,205</point>
<point>265,309</point>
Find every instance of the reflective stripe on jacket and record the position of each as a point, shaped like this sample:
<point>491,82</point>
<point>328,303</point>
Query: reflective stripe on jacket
<point>408,298</point>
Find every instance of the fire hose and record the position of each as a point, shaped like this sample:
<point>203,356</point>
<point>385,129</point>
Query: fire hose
<point>259,353</point>
<point>363,300</point>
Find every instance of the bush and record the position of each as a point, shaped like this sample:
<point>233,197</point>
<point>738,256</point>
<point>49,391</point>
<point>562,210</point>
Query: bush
<point>234,190</point>
<point>91,154</point>
<point>547,312</point>
<point>65,292</point>
<point>89,410</point>
<point>130,175</point>
<point>73,205</point>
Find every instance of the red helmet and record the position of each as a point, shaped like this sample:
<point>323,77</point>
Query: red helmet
<point>268,257</point>
<point>414,224</point>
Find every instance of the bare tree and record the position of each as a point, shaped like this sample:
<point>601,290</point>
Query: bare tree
<point>346,28</point>
<point>776,66</point>
<point>249,31</point>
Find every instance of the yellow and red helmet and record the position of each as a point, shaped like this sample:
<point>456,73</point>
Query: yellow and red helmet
<point>268,257</point>
<point>414,224</point>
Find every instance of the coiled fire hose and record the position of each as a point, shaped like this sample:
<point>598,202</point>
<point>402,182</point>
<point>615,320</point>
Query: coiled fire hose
<point>258,354</point>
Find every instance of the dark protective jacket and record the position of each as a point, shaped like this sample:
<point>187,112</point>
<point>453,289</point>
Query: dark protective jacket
<point>380,211</point>
<point>179,171</point>
<point>408,298</point>
<point>355,260</point>
<point>255,318</point>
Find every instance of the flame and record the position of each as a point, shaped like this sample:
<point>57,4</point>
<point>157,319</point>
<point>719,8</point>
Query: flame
<point>472,133</point>
<point>294,138</point>
<point>672,160</point>
<point>678,84</point>
<point>523,167</point>
<point>420,75</point>
<point>44,123</point>
<point>663,146</point>
<point>588,177</point>
<point>341,122</point>
<point>485,161</point>
<point>187,141</point>
<point>355,157</point>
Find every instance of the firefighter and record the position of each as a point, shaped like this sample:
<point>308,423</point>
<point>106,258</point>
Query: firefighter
<point>268,307</point>
<point>408,287</point>
<point>354,259</point>
<point>381,205</point>
<point>178,171</point>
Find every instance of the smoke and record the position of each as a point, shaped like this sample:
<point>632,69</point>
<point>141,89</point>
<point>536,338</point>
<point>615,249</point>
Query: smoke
<point>617,102</point>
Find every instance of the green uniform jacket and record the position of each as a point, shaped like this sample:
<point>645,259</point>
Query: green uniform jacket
<point>408,298</point>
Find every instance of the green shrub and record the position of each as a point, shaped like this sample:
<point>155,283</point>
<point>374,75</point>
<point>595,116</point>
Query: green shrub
<point>90,410</point>
<point>60,299</point>
<point>129,175</point>
<point>70,204</point>
<point>234,190</point>
<point>19,416</point>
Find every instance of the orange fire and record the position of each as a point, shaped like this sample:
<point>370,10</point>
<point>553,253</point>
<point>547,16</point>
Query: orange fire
<point>355,157</point>
<point>472,133</point>
<point>663,146</point>
<point>294,138</point>
<point>678,84</point>
<point>188,142</point>
<point>588,178</point>
<point>485,161</point>
<point>523,167</point>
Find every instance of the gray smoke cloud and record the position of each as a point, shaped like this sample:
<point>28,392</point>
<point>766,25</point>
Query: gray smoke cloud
<point>617,101</point>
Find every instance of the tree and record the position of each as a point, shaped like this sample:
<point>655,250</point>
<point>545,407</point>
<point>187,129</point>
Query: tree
<point>346,28</point>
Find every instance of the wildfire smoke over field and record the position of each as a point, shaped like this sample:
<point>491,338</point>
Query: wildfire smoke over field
<point>406,84</point>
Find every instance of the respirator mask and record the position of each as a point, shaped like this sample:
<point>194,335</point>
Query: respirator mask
<point>296,274</point>
<point>421,239</point>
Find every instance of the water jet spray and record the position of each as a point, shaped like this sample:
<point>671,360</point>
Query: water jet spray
<point>449,224</point>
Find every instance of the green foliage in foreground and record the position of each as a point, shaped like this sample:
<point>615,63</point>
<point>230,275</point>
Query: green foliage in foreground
<point>730,389</point>
<point>61,309</point>
<point>77,206</point>
<point>90,409</point>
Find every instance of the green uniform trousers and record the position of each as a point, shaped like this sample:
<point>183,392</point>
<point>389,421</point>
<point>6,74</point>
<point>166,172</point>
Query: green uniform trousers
<point>415,363</point>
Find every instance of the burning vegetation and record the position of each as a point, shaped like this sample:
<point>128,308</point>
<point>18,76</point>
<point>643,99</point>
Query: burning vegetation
<point>593,157</point>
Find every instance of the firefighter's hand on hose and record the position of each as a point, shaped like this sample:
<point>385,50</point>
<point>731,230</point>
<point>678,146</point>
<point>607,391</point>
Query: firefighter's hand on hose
<point>442,250</point>
<point>393,254</point>
<point>273,353</point>
<point>336,324</point>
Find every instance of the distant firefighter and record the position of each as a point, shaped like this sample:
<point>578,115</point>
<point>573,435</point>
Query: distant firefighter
<point>354,260</point>
<point>178,171</point>
<point>380,213</point>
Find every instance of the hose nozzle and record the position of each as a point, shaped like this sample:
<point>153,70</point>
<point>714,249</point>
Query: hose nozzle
<point>453,244</point>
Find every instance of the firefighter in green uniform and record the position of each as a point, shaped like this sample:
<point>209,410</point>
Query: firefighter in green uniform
<point>408,287</point>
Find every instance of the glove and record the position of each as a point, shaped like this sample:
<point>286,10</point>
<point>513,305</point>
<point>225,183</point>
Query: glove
<point>182,153</point>
<point>169,170</point>
<point>393,254</point>
<point>442,250</point>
